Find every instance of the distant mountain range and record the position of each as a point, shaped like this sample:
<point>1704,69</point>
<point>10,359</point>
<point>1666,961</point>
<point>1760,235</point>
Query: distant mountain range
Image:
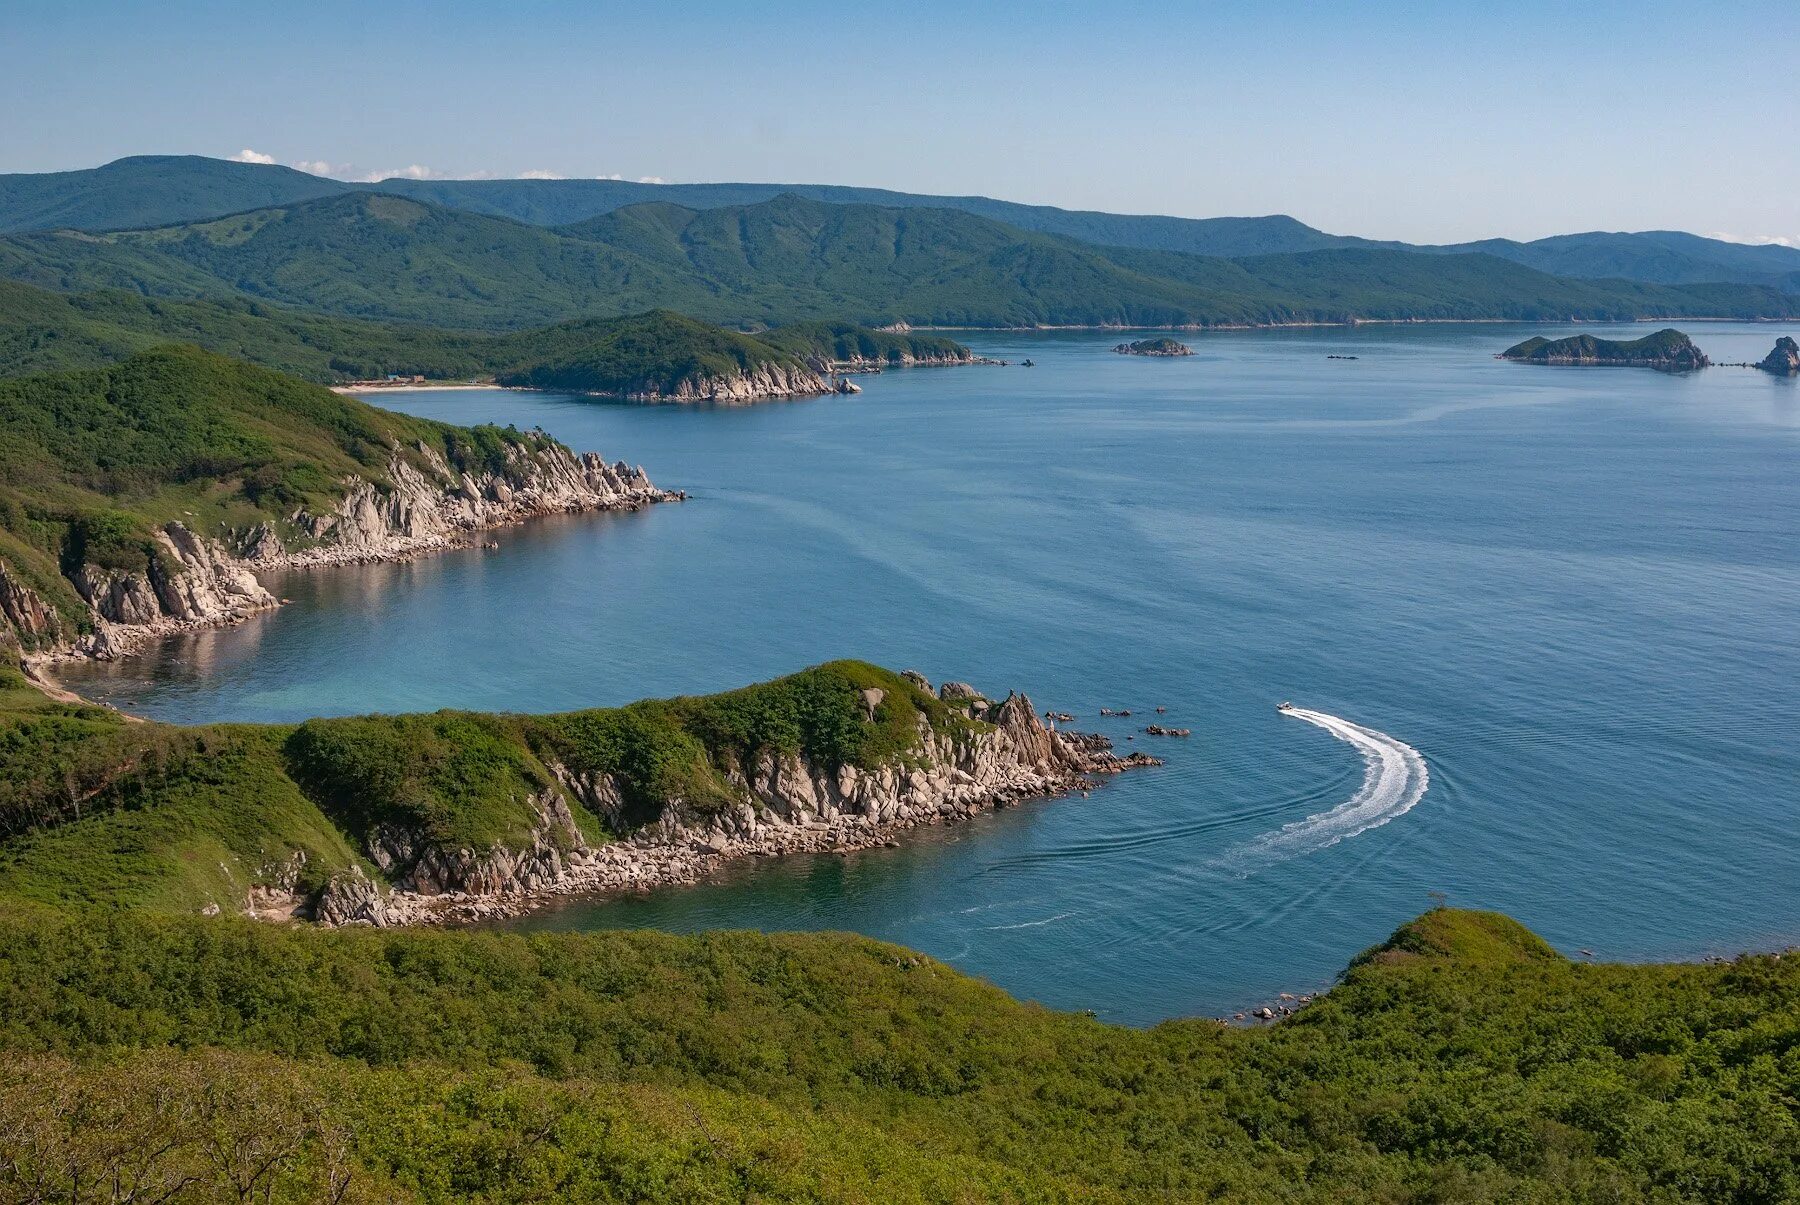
<point>380,256</point>
<point>160,190</point>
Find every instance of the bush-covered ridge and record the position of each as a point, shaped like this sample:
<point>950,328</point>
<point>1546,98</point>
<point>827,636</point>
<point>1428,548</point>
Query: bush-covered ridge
<point>1460,1061</point>
<point>95,810</point>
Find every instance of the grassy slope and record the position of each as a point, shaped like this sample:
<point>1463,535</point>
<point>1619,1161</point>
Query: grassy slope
<point>95,810</point>
<point>1461,1061</point>
<point>790,259</point>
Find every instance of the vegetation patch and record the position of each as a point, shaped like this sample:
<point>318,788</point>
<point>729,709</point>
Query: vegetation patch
<point>646,1066</point>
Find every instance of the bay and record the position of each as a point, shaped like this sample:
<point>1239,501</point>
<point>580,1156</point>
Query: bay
<point>1572,591</point>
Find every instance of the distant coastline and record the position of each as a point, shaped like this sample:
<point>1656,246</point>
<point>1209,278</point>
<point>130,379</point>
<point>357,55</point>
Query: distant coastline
<point>1351,324</point>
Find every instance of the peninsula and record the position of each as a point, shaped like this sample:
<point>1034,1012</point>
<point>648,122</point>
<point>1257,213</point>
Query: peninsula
<point>389,820</point>
<point>1668,350</point>
<point>140,499</point>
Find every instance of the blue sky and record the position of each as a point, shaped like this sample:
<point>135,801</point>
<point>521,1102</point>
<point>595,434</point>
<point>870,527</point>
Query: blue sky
<point>1423,122</point>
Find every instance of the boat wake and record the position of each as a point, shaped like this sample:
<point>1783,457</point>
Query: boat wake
<point>1395,778</point>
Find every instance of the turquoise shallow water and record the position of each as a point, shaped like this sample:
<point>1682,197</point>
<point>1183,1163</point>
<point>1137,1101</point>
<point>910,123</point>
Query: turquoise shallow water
<point>1572,591</point>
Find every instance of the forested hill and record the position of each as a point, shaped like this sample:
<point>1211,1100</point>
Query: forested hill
<point>657,352</point>
<point>153,190</point>
<point>790,259</point>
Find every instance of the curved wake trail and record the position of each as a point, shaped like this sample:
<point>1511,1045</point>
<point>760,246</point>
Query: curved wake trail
<point>1395,778</point>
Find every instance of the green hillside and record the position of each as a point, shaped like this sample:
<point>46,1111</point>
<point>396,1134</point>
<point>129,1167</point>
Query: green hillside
<point>789,259</point>
<point>656,352</point>
<point>150,190</point>
<point>847,343</point>
<point>1460,1061</point>
<point>153,190</point>
<point>45,331</point>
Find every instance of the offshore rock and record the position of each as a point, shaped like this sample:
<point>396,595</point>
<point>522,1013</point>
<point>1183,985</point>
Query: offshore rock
<point>1784,360</point>
<point>1154,347</point>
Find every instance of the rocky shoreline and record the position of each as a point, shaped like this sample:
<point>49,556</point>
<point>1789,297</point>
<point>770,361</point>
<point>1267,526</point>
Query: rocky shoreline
<point>787,807</point>
<point>199,582</point>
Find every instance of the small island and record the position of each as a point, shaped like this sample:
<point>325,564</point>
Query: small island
<point>1668,350</point>
<point>1155,347</point>
<point>1784,360</point>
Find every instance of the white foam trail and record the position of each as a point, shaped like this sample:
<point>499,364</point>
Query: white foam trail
<point>1394,780</point>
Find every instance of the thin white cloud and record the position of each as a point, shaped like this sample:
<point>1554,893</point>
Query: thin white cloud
<point>412,171</point>
<point>1755,240</point>
<point>418,171</point>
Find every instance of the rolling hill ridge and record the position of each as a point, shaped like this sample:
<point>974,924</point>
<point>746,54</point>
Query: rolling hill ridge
<point>374,255</point>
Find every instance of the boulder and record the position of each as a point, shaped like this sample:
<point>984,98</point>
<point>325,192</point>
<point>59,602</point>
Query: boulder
<point>1784,360</point>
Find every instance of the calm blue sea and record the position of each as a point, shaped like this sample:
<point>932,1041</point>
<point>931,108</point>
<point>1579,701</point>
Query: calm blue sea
<point>1574,592</point>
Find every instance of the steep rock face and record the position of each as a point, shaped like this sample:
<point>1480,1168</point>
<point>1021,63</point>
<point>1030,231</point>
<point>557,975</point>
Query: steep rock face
<point>764,381</point>
<point>26,620</point>
<point>785,804</point>
<point>194,583</point>
<point>421,872</point>
<point>898,359</point>
<point>1784,360</point>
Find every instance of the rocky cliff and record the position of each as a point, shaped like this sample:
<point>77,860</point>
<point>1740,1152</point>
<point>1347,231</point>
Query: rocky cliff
<point>905,358</point>
<point>428,504</point>
<point>1784,360</point>
<point>423,503</point>
<point>780,803</point>
<point>763,381</point>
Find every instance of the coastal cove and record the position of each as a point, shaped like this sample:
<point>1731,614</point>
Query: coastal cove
<point>1505,568</point>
